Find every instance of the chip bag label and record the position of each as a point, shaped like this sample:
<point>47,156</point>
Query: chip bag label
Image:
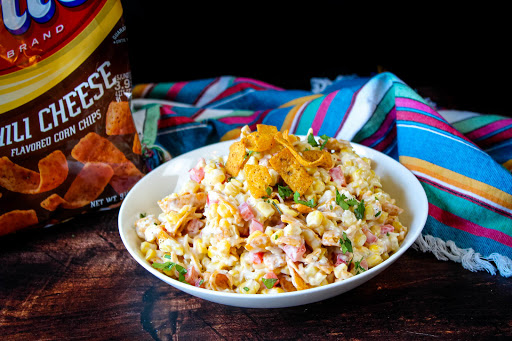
<point>67,139</point>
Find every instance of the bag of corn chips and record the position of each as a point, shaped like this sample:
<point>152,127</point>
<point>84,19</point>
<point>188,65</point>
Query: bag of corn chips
<point>68,143</point>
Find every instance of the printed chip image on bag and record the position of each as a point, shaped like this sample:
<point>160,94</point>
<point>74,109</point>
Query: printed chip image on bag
<point>68,144</point>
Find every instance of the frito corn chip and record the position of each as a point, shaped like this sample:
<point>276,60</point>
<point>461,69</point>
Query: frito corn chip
<point>317,158</point>
<point>258,178</point>
<point>137,147</point>
<point>260,142</point>
<point>86,187</point>
<point>119,120</point>
<point>95,148</point>
<point>291,171</point>
<point>17,219</point>
<point>266,129</point>
<point>310,158</point>
<point>236,158</point>
<point>53,170</point>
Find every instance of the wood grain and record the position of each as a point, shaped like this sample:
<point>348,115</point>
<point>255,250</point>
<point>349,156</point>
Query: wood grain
<point>76,281</point>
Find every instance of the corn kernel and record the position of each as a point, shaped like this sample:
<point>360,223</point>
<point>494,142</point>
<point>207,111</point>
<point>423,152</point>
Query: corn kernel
<point>224,246</point>
<point>145,246</point>
<point>292,230</point>
<point>374,248</point>
<point>199,246</point>
<point>359,239</point>
<point>374,260</point>
<point>150,253</point>
<point>236,183</point>
<point>249,287</point>
<point>318,186</point>
<point>288,211</point>
<point>224,210</point>
<point>314,219</point>
<point>276,235</point>
<point>231,190</point>
<point>265,209</point>
<point>190,187</point>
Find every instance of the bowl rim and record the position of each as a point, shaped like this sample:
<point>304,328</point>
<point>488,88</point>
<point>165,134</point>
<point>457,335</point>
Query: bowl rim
<point>370,273</point>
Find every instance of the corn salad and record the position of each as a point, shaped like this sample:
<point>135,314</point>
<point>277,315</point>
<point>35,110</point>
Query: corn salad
<point>215,234</point>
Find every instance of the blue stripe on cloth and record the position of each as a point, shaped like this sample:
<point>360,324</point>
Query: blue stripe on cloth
<point>258,100</point>
<point>458,157</point>
<point>336,112</point>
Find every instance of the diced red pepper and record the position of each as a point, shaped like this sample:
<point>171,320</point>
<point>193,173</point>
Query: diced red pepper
<point>293,252</point>
<point>255,226</point>
<point>387,228</point>
<point>246,211</point>
<point>272,275</point>
<point>370,237</point>
<point>257,257</point>
<point>337,176</point>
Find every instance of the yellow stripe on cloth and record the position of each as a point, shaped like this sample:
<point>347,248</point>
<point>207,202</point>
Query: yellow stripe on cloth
<point>457,180</point>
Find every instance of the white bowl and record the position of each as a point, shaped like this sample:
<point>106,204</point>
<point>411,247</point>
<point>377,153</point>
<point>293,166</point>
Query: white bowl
<point>397,180</point>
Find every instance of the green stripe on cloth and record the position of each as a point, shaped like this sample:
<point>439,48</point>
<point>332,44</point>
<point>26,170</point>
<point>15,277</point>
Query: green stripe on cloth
<point>378,117</point>
<point>308,115</point>
<point>467,209</point>
<point>472,123</point>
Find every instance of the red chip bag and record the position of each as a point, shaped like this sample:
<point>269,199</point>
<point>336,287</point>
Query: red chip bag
<point>64,81</point>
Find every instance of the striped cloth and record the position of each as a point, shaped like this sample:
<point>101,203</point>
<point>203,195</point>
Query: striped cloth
<point>462,159</point>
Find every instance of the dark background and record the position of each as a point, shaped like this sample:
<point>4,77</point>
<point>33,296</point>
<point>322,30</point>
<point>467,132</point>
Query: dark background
<point>457,60</point>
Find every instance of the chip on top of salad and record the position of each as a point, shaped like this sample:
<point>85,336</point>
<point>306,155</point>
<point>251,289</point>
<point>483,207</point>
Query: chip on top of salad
<point>279,213</point>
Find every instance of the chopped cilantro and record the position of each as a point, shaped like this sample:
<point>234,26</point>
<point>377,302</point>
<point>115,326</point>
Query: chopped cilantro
<point>246,288</point>
<point>142,215</point>
<point>346,244</point>
<point>345,203</point>
<point>248,154</point>
<point>325,138</point>
<point>359,211</point>
<point>269,191</point>
<point>284,191</point>
<point>312,141</point>
<point>310,203</point>
<point>277,236</point>
<point>340,200</point>
<point>169,266</point>
<point>269,282</point>
<point>358,266</point>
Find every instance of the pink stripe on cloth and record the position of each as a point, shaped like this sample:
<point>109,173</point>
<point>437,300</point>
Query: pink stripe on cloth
<point>414,104</point>
<point>322,110</point>
<point>462,224</point>
<point>488,129</point>
<point>240,119</point>
<point>166,110</point>
<point>504,135</point>
<point>382,145</point>
<point>174,90</point>
<point>405,115</point>
<point>257,82</point>
<point>385,126</point>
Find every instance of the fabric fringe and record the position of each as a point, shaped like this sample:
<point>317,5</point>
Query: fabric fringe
<point>469,259</point>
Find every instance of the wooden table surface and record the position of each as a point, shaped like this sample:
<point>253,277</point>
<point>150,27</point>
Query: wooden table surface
<point>77,281</point>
